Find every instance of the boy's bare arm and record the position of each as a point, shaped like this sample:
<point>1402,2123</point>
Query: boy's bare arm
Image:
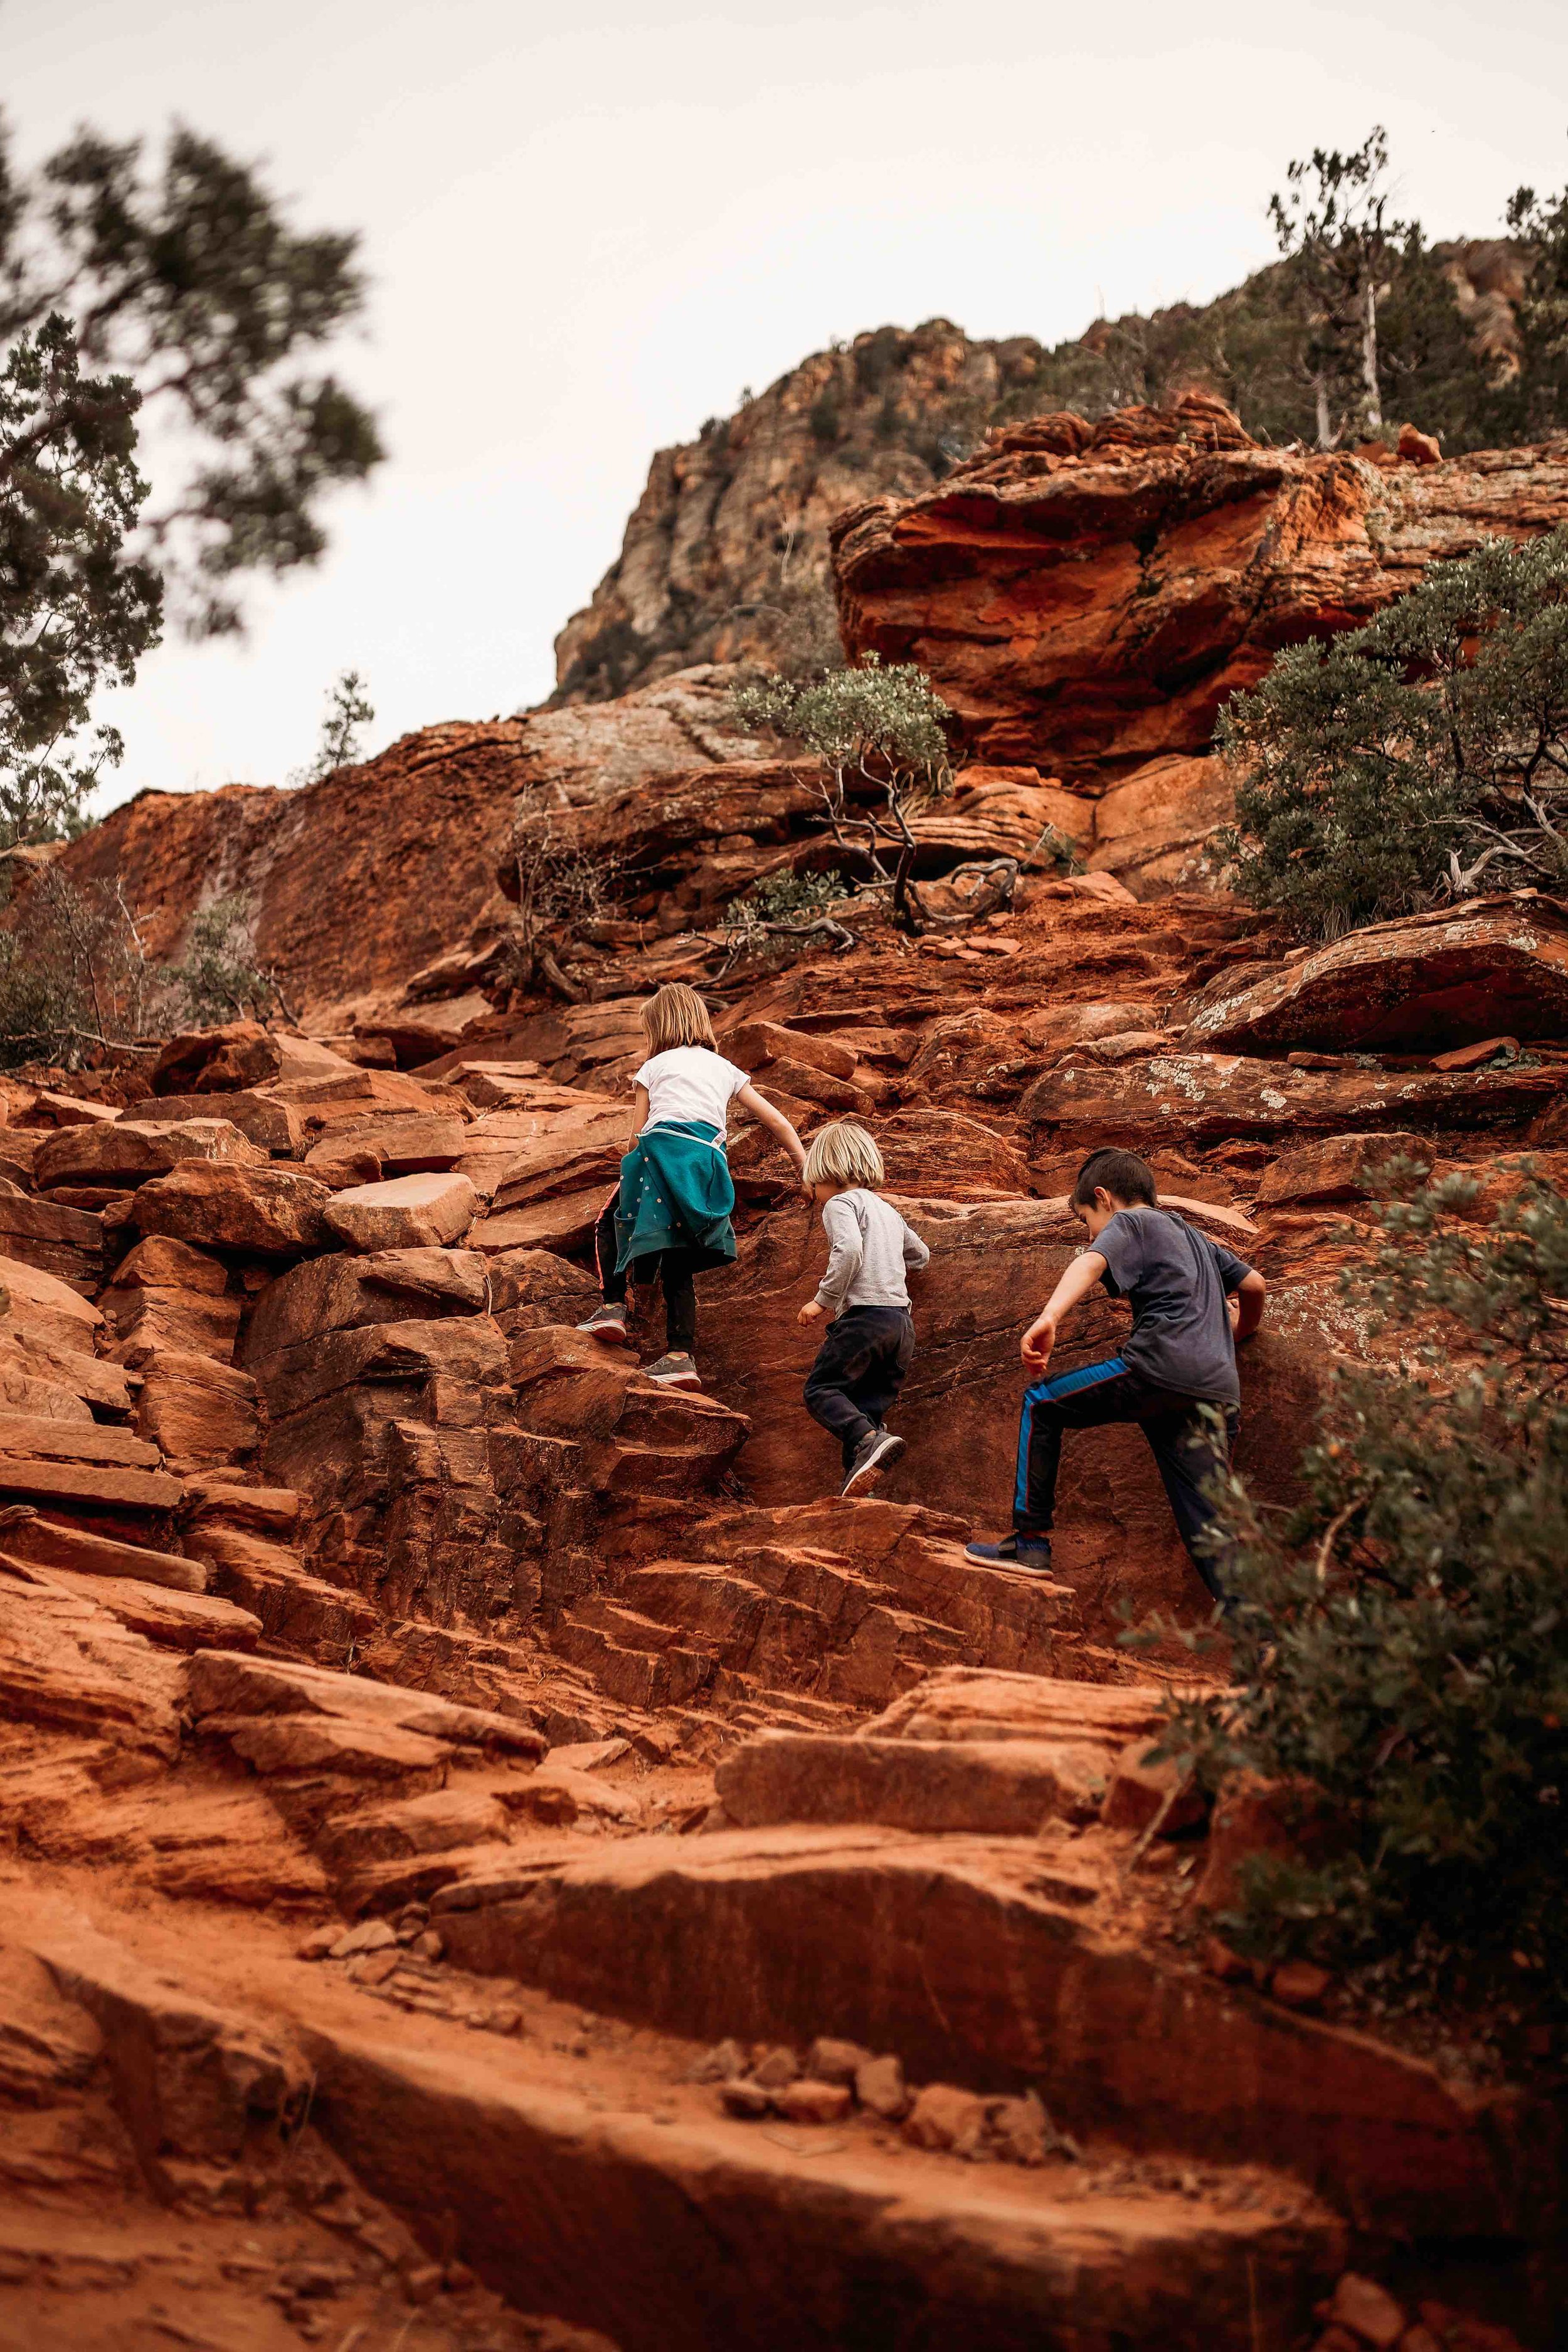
<point>1248,1299</point>
<point>775,1121</point>
<point>1075,1285</point>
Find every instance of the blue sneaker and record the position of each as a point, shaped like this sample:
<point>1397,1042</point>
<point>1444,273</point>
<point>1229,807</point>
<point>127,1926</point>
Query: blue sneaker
<point>1031,1553</point>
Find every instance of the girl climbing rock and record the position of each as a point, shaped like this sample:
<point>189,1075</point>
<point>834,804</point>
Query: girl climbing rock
<point>671,1210</point>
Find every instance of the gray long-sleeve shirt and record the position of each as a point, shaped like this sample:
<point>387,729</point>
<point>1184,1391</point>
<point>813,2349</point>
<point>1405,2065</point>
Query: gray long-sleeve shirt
<point>869,1248</point>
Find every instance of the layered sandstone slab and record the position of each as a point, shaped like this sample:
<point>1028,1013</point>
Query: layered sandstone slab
<point>1488,968</point>
<point>1086,596</point>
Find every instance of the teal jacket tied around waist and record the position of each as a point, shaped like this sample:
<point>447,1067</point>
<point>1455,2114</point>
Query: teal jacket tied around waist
<point>676,1193</point>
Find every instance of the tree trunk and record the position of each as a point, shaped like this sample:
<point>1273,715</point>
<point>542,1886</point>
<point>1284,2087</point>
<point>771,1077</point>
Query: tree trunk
<point>1325,433</point>
<point>1372,399</point>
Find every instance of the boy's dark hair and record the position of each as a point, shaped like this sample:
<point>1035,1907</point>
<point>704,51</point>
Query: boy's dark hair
<point>1121,1174</point>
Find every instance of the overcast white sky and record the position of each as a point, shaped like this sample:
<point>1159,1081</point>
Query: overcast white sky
<point>589,225</point>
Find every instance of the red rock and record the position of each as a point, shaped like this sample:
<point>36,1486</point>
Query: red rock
<point>51,1109</point>
<point>29,1537</point>
<point>1470,1057</point>
<point>1424,981</point>
<point>178,1621</point>
<point>274,1127</point>
<point>193,1321</point>
<point>346,1293</point>
<point>945,2116</point>
<point>37,1307</point>
<point>199,1413</point>
<point>67,1665</point>
<point>1255,1816</point>
<point>879,2088</point>
<point>1334,1169</point>
<point>1419,448</point>
<point>1299,1985</point>
<point>1201,1099</point>
<point>812,2103</point>
<point>408,841</point>
<point>1142,1793</point>
<point>96,1486</point>
<point>563,1222</point>
<point>124,1154</point>
<point>829,2061</point>
<point>59,1240</point>
<point>744,2099</point>
<point>158,1264</point>
<point>1222,1962</point>
<point>405,1144</point>
<point>256,1211</point>
<point>1055,585</point>
<point>407,1212</point>
<point>1368,2310</point>
<point>757,1044</point>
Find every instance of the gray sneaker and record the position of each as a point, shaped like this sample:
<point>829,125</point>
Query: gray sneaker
<point>674,1371</point>
<point>877,1452</point>
<point>607,1323</point>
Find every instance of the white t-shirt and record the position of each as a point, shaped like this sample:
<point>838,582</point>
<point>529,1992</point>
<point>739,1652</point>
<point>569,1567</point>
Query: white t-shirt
<point>690,1082</point>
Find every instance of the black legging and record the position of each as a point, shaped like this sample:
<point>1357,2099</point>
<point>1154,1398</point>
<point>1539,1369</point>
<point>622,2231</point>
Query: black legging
<point>674,1267</point>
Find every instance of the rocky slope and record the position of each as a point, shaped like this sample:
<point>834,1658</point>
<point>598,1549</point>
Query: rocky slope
<point>513,1834</point>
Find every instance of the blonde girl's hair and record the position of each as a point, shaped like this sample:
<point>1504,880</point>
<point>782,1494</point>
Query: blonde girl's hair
<point>842,1153</point>
<point>677,1016</point>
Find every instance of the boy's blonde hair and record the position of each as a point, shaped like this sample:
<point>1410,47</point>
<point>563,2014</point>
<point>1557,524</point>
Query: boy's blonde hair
<point>842,1153</point>
<point>677,1016</point>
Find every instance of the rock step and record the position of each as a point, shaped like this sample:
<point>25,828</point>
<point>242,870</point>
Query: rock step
<point>648,1670</point>
<point>898,1942</point>
<point>1007,1787</point>
<point>697,2229</point>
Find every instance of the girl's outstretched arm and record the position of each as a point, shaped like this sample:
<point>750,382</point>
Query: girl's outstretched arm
<point>775,1121</point>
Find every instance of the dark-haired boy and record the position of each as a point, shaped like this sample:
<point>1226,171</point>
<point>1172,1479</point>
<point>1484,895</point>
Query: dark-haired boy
<point>1179,1360</point>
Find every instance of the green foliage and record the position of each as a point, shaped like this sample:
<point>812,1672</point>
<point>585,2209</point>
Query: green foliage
<point>220,978</point>
<point>347,709</point>
<point>73,973</point>
<point>1425,751</point>
<point>1344,245</point>
<point>189,280</point>
<point>879,728</point>
<point>881,723</point>
<point>1401,1641</point>
<point>77,610</point>
<point>786,898</point>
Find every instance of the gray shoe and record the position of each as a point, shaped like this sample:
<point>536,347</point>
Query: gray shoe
<point>608,1323</point>
<point>674,1371</point>
<point>877,1452</point>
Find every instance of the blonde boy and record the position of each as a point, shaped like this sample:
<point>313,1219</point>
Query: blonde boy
<point>869,1346</point>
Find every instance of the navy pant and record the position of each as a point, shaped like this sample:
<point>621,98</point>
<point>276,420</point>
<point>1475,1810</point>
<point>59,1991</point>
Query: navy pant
<point>675,1268</point>
<point>858,1371</point>
<point>1189,1450</point>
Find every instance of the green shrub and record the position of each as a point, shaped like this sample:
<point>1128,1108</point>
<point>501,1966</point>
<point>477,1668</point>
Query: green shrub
<point>220,978</point>
<point>73,972</point>
<point>1424,754</point>
<point>1401,1641</point>
<point>786,898</point>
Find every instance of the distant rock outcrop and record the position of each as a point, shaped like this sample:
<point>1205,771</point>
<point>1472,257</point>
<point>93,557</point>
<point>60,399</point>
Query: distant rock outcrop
<point>726,554</point>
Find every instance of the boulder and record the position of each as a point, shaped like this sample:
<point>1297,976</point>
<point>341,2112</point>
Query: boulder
<point>124,1153</point>
<point>199,1413</point>
<point>1334,1169</point>
<point>1152,831</point>
<point>345,1293</point>
<point>274,1127</point>
<point>40,1307</point>
<point>255,1211</point>
<point>405,1144</point>
<point>57,1240</point>
<point>68,1665</point>
<point>1202,1100</point>
<point>407,1212</point>
<point>1086,596</point>
<point>1425,982</point>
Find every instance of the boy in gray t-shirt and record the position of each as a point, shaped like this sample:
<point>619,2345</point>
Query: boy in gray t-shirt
<point>869,1346</point>
<point>1179,1358</point>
